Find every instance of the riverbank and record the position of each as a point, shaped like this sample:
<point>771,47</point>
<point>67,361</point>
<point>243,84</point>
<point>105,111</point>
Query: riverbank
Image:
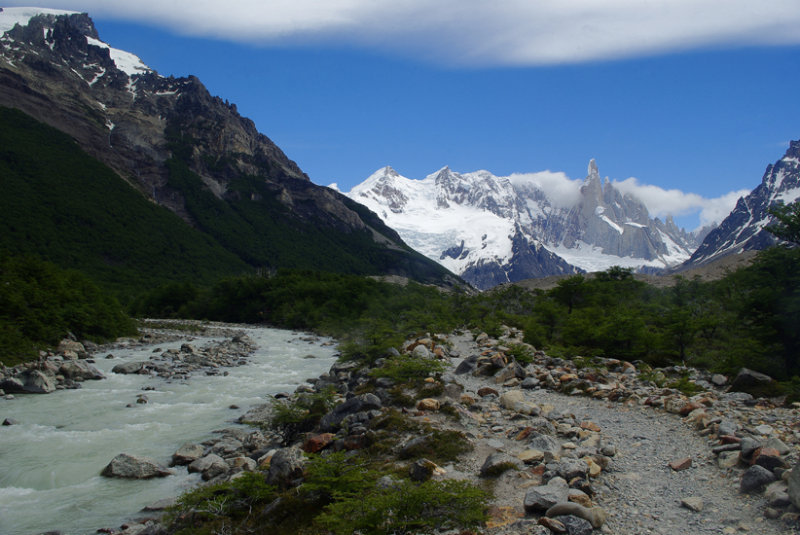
<point>61,441</point>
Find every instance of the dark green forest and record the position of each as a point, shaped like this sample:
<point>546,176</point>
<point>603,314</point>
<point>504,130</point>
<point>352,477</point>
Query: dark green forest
<point>748,318</point>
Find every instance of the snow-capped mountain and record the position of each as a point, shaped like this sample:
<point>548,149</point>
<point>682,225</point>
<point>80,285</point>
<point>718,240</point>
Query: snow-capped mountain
<point>743,229</point>
<point>493,230</point>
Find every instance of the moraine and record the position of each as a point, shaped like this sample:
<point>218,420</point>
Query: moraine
<point>52,459</point>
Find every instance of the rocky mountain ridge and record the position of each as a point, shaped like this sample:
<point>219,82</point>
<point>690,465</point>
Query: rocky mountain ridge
<point>492,230</point>
<point>189,151</point>
<point>745,228</point>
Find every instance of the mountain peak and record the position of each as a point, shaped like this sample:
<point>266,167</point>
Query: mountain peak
<point>592,171</point>
<point>11,16</point>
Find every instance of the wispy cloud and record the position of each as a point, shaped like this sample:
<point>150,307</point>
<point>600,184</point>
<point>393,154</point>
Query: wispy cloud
<point>474,32</point>
<point>662,202</point>
<point>565,192</point>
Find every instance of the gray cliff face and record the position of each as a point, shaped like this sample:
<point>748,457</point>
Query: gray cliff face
<point>744,228</point>
<point>618,224</point>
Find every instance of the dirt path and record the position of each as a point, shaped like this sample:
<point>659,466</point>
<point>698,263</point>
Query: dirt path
<point>639,492</point>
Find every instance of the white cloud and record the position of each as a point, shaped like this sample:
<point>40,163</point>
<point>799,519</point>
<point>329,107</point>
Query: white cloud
<point>511,32</point>
<point>560,189</point>
<point>565,192</point>
<point>661,202</point>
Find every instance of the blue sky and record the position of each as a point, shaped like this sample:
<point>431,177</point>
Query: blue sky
<point>694,96</point>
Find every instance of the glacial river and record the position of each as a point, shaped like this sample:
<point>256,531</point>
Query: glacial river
<point>50,462</point>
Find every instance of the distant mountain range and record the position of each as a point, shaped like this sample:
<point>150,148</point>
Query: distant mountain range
<point>744,228</point>
<point>190,190</point>
<point>492,230</point>
<point>247,204</point>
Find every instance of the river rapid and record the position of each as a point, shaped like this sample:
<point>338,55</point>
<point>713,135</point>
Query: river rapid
<point>50,462</point>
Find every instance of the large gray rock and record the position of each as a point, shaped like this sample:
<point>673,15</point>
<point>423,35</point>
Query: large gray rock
<point>794,485</point>
<point>36,382</point>
<point>210,466</point>
<point>12,385</point>
<point>187,454</point>
<point>128,367</point>
<point>753,382</point>
<point>540,499</point>
<point>756,478</point>
<point>80,370</point>
<point>286,467</point>
<point>132,467</point>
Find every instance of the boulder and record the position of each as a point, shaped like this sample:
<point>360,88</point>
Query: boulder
<point>36,382</point>
<point>753,383</point>
<point>128,367</point>
<point>131,467</point>
<point>755,478</point>
<point>12,385</point>
<point>187,454</point>
<point>540,499</point>
<point>210,466</point>
<point>421,352</point>
<point>286,467</point>
<point>80,370</point>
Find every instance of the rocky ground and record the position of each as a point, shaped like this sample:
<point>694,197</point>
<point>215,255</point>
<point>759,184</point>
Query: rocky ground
<point>576,447</point>
<point>638,490</point>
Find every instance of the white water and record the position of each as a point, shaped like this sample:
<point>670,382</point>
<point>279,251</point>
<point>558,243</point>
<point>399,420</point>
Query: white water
<point>50,462</point>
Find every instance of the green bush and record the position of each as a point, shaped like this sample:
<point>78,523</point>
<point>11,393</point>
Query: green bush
<point>407,507</point>
<point>406,368</point>
<point>301,414</point>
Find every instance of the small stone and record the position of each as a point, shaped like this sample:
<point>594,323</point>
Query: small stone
<point>764,429</point>
<point>487,391</point>
<point>591,426</point>
<point>531,456</point>
<point>681,464</point>
<point>693,503</point>
<point>554,525</point>
<point>10,421</point>
<point>428,404</point>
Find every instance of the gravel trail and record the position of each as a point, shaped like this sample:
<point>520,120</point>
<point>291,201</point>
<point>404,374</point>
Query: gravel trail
<point>639,491</point>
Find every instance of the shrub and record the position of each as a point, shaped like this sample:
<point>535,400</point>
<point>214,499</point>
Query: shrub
<point>301,414</point>
<point>406,507</point>
<point>405,368</point>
